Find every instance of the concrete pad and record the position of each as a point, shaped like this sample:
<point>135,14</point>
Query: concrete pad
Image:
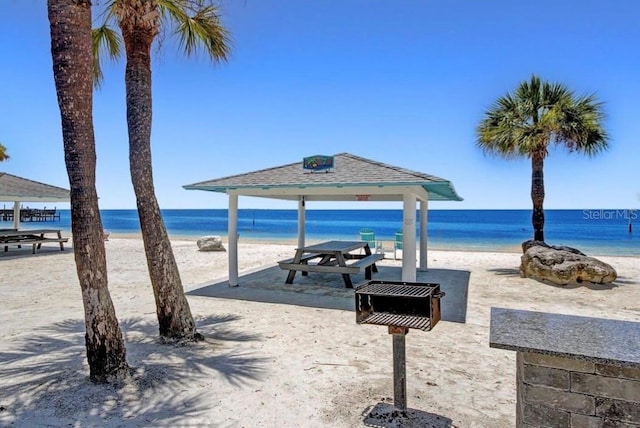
<point>327,290</point>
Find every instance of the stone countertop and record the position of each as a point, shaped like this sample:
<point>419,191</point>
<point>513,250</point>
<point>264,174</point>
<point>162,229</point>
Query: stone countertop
<point>599,340</point>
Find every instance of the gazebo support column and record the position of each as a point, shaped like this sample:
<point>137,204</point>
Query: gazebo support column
<point>424,209</point>
<point>233,241</point>
<point>301,220</point>
<point>16,215</point>
<point>409,238</point>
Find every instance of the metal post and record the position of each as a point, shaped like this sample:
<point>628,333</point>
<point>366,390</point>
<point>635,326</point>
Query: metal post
<point>399,368</point>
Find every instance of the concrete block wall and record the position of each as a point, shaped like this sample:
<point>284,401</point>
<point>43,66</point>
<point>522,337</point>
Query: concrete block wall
<point>559,392</point>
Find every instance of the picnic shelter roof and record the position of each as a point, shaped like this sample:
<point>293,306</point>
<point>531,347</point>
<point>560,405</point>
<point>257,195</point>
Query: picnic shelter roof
<point>351,178</point>
<point>18,189</point>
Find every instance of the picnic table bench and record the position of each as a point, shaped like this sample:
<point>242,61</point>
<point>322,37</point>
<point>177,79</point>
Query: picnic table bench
<point>33,237</point>
<point>332,257</point>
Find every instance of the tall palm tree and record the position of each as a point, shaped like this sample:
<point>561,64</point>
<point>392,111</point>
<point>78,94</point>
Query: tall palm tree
<point>525,123</point>
<point>70,23</point>
<point>197,24</point>
<point>3,153</point>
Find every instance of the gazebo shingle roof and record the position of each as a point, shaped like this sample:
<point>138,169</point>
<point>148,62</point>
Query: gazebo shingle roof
<point>349,170</point>
<point>13,188</point>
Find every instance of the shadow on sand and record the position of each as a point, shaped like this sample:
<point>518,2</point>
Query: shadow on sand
<point>506,271</point>
<point>384,415</point>
<point>44,376</point>
<point>326,290</point>
<point>26,251</point>
<point>623,280</point>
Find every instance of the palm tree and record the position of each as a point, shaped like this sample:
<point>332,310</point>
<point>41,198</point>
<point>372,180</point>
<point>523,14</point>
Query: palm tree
<point>3,153</point>
<point>538,114</point>
<point>70,22</point>
<point>197,24</point>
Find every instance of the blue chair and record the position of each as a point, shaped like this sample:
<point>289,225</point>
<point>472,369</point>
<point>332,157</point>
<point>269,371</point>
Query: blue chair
<point>397,244</point>
<point>369,237</point>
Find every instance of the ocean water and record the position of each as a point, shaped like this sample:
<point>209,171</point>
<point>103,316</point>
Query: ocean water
<point>598,232</point>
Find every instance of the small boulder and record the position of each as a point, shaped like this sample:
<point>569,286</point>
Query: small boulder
<point>210,243</point>
<point>563,266</point>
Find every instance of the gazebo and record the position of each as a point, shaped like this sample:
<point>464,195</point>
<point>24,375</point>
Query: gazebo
<point>17,190</point>
<point>342,177</point>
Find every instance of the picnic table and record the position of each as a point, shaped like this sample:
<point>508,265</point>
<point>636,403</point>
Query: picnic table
<point>332,257</point>
<point>34,237</point>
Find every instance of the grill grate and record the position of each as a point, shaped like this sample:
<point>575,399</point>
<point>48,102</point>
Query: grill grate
<point>400,290</point>
<point>409,321</point>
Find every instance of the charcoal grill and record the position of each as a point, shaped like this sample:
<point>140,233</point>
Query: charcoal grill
<point>400,306</point>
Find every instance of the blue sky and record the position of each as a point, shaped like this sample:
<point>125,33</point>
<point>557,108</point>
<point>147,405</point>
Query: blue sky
<point>402,82</point>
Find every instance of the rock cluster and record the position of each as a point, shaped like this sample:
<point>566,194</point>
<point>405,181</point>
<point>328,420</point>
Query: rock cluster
<point>563,265</point>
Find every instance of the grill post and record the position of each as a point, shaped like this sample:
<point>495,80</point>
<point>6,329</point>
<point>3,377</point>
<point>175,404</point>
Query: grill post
<point>400,306</point>
<point>399,368</point>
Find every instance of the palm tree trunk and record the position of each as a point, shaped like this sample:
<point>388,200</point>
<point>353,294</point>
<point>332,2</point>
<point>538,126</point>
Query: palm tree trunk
<point>537,195</point>
<point>172,308</point>
<point>70,22</point>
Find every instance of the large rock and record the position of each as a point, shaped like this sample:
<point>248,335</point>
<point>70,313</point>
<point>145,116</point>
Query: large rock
<point>564,266</point>
<point>531,243</point>
<point>210,243</point>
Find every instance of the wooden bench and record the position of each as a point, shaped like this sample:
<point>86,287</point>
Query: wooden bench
<point>369,263</point>
<point>60,241</point>
<point>366,262</point>
<point>35,242</point>
<point>304,259</point>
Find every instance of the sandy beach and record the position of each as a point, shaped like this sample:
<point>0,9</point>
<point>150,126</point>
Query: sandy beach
<point>266,364</point>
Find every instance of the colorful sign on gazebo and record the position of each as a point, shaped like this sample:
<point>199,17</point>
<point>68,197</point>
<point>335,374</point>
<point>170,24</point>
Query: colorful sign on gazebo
<point>318,163</point>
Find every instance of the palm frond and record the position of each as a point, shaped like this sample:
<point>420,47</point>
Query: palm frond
<point>537,114</point>
<point>507,130</point>
<point>105,40</point>
<point>107,11</point>
<point>3,153</point>
<point>197,25</point>
<point>581,129</point>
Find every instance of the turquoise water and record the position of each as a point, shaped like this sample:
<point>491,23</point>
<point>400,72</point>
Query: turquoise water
<point>604,232</point>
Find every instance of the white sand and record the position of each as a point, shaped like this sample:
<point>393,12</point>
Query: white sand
<point>265,365</point>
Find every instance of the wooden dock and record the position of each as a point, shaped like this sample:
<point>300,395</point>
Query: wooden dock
<point>31,215</point>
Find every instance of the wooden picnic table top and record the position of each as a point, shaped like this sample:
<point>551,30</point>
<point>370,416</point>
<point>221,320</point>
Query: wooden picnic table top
<point>334,256</point>
<point>12,233</point>
<point>329,247</point>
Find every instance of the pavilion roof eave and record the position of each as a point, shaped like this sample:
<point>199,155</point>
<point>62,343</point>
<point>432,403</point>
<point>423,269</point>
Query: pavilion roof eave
<point>34,199</point>
<point>439,191</point>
